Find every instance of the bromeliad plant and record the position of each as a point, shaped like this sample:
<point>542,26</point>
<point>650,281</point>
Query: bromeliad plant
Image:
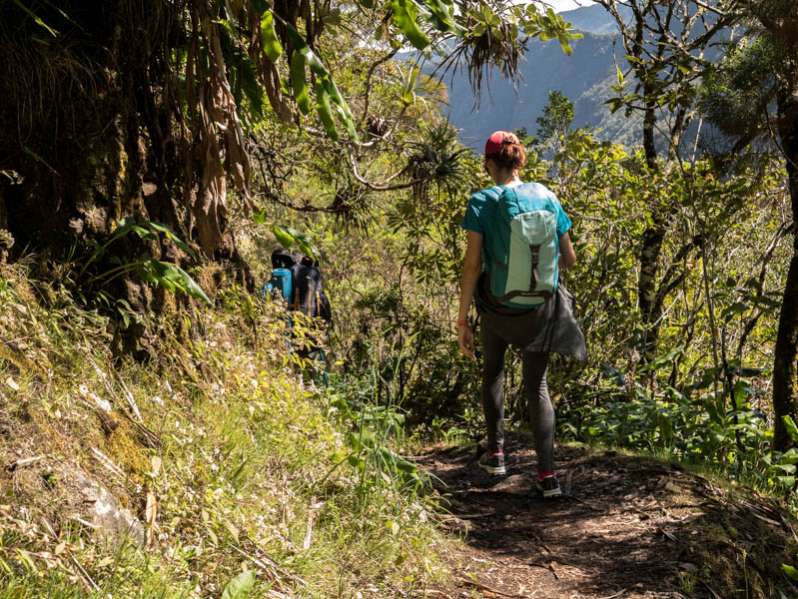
<point>168,275</point>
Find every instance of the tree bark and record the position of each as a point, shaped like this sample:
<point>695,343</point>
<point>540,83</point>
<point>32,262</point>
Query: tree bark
<point>785,363</point>
<point>649,126</point>
<point>651,244</point>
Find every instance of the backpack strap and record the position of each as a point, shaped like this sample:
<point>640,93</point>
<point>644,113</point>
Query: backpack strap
<point>493,193</point>
<point>513,294</point>
<point>508,196</point>
<point>534,251</point>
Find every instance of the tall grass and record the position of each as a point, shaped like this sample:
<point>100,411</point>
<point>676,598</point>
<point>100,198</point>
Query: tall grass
<point>237,463</point>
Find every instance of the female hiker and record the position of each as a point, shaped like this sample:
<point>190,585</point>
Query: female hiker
<point>517,243</point>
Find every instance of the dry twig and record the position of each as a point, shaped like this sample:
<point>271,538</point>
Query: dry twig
<point>483,587</point>
<point>22,462</point>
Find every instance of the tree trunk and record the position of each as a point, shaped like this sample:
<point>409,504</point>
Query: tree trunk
<point>650,246</point>
<point>785,363</point>
<point>649,125</point>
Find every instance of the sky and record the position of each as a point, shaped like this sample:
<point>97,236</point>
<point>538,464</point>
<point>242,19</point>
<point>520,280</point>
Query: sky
<point>560,5</point>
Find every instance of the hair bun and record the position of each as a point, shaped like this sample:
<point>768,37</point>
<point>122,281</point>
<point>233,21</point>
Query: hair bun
<point>511,155</point>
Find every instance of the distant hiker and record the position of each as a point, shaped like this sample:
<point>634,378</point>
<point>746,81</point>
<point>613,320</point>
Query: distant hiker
<point>517,242</point>
<point>297,280</point>
<point>281,281</point>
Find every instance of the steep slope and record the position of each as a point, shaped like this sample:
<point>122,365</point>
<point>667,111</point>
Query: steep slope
<point>585,77</point>
<point>593,19</point>
<point>213,465</point>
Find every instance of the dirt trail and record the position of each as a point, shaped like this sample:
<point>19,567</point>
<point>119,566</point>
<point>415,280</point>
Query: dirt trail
<point>633,528</point>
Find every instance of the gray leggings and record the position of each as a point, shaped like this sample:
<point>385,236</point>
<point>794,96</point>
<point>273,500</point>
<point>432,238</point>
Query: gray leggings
<point>541,412</point>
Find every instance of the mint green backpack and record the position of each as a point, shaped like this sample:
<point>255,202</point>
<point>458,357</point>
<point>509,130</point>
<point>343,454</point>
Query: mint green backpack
<point>522,248</point>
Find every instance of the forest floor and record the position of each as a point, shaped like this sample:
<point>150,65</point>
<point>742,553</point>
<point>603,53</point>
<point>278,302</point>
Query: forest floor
<point>632,527</point>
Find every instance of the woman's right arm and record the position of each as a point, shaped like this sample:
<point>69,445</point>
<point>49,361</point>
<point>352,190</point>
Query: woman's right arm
<point>472,268</point>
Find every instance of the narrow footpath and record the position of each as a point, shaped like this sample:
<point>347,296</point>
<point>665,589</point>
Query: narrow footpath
<point>632,528</point>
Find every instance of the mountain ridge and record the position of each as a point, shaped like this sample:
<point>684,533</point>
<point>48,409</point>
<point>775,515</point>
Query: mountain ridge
<point>585,77</point>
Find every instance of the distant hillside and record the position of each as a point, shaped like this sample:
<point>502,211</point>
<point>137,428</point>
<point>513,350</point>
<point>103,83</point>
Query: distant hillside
<point>593,19</point>
<point>585,77</point>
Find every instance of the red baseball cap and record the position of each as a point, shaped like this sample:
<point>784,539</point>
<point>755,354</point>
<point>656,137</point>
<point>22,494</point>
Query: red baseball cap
<point>497,140</point>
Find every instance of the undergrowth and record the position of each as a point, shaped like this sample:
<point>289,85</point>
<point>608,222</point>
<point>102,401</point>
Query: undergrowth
<point>696,425</point>
<point>246,477</point>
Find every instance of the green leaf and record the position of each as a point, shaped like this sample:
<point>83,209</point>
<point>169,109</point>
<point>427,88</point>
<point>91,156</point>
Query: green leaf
<point>192,288</point>
<point>172,278</point>
<point>408,92</point>
<point>299,83</point>
<point>144,229</point>
<point>227,26</point>
<point>742,391</point>
<point>324,110</point>
<point>442,15</point>
<point>314,62</point>
<point>789,457</point>
<point>304,55</point>
<point>341,107</point>
<point>308,56</point>
<point>615,104</point>
<point>247,81</point>
<point>792,430</point>
<point>405,15</point>
<point>36,18</point>
<point>259,217</point>
<point>172,237</point>
<point>284,238</point>
<point>307,248</point>
<point>268,35</point>
<point>790,571</point>
<point>240,587</point>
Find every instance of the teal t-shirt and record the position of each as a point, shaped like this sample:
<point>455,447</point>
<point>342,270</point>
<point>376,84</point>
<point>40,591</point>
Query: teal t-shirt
<point>481,206</point>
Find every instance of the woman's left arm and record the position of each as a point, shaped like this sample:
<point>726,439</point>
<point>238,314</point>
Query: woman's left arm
<point>567,253</point>
<point>472,268</point>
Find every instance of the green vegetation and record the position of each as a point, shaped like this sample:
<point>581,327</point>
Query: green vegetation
<point>230,461</point>
<point>161,437</point>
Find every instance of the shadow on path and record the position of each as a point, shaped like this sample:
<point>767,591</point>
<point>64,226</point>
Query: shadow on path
<point>634,527</point>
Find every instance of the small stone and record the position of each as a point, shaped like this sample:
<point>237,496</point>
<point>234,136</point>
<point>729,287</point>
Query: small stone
<point>517,484</point>
<point>110,519</point>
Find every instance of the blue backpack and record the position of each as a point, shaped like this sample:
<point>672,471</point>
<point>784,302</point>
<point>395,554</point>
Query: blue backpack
<point>521,250</point>
<point>281,283</point>
<point>299,284</point>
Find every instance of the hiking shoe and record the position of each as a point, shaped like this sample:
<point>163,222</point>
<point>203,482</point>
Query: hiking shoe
<point>550,487</point>
<point>493,463</point>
